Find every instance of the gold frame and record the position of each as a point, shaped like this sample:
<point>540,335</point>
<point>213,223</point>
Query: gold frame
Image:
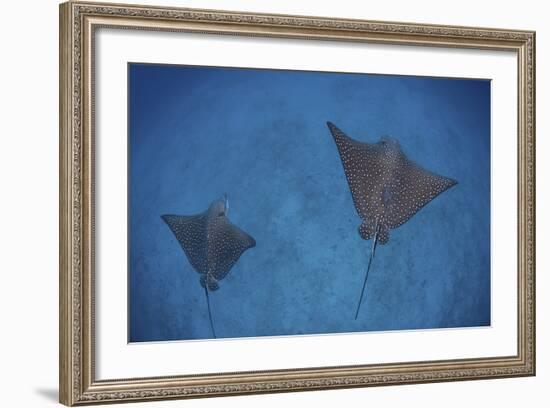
<point>78,21</point>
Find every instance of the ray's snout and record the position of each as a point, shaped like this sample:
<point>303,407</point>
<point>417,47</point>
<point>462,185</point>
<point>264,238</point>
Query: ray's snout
<point>219,206</point>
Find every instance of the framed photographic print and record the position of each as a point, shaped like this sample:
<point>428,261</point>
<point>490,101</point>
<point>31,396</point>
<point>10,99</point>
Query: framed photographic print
<point>262,203</point>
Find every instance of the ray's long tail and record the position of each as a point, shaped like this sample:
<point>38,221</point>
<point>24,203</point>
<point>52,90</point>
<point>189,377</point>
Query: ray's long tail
<point>373,249</point>
<point>209,311</point>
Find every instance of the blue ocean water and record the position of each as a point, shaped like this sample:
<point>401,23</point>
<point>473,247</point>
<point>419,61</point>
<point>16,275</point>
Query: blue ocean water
<point>261,137</point>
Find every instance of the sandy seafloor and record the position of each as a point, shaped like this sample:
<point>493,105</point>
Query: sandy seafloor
<point>261,137</point>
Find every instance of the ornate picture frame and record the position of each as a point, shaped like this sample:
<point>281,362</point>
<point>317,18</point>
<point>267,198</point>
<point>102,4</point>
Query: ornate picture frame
<point>79,22</point>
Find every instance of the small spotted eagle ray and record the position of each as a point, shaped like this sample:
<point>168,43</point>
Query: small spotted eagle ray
<point>387,188</point>
<point>212,244</point>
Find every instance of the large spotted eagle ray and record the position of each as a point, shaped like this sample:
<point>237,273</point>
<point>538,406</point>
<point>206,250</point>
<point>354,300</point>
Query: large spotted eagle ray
<point>212,244</point>
<point>387,188</point>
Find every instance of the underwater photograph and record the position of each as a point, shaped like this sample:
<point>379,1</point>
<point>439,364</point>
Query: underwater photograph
<point>266,202</point>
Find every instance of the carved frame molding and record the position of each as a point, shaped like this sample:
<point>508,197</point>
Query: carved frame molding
<point>78,21</point>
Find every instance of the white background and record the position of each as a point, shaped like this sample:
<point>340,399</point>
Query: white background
<point>28,205</point>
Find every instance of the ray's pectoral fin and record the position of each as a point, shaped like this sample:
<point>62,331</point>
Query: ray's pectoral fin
<point>415,187</point>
